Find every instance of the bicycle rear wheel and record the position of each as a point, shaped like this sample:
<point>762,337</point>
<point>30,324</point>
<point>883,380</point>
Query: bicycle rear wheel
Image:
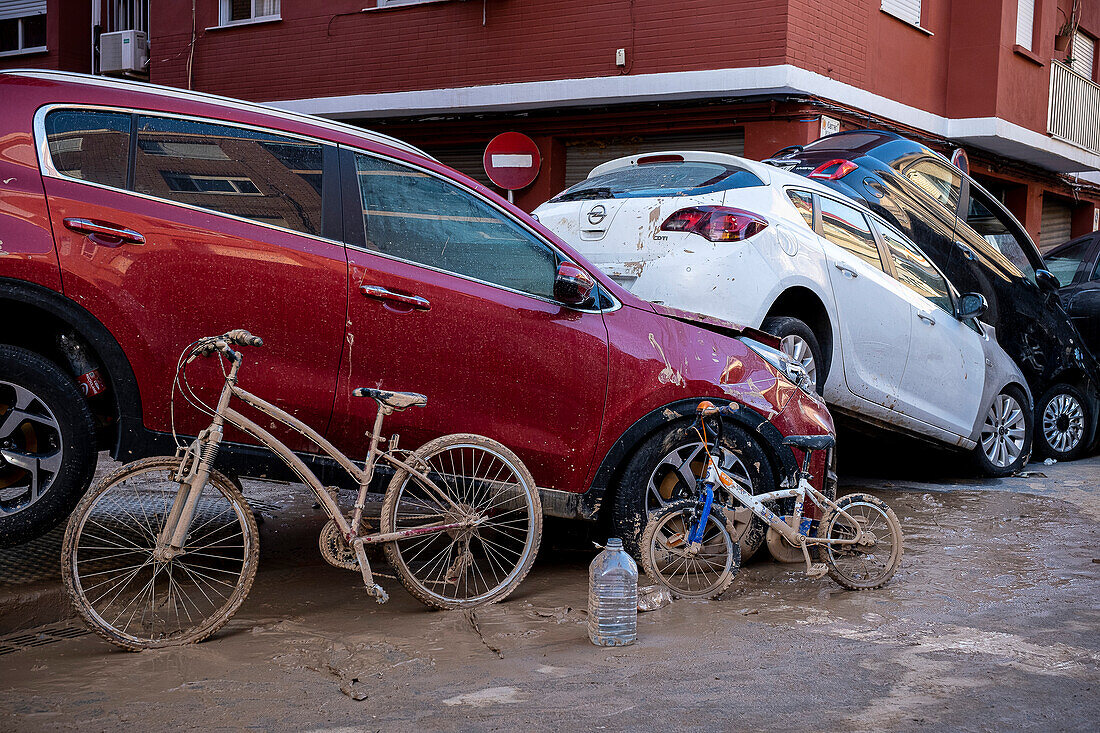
<point>666,557</point>
<point>862,566</point>
<point>471,475</point>
<point>131,598</point>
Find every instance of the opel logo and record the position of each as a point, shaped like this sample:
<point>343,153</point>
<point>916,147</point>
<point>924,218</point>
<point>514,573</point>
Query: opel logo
<point>597,214</point>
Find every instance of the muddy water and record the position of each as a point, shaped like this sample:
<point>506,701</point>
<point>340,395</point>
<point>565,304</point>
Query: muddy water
<point>990,623</point>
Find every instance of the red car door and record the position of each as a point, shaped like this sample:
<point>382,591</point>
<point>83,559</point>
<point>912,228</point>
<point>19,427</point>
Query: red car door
<point>211,228</point>
<point>450,297</point>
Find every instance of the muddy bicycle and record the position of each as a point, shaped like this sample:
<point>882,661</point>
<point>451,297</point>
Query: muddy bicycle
<point>688,548</point>
<point>163,551</point>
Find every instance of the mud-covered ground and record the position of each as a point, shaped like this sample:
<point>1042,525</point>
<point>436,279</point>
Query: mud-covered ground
<point>992,623</point>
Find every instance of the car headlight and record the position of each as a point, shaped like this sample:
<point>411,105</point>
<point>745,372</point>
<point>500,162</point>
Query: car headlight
<point>789,368</point>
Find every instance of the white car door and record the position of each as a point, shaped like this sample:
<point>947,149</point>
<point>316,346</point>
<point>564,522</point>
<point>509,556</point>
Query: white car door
<point>875,323</point>
<point>945,374</point>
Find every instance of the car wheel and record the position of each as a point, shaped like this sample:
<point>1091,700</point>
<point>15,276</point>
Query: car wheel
<point>1004,444</point>
<point>1063,421</point>
<point>47,445</point>
<point>798,341</point>
<point>664,468</point>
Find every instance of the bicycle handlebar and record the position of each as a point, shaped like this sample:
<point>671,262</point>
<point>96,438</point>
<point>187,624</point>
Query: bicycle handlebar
<point>221,344</point>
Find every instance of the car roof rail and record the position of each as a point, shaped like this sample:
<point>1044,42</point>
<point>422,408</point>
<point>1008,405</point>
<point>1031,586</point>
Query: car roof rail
<point>215,99</point>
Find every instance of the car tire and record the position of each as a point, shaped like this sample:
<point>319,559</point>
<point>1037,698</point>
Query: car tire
<point>42,414</point>
<point>797,340</point>
<point>651,472</point>
<point>997,434</point>
<point>1064,423</point>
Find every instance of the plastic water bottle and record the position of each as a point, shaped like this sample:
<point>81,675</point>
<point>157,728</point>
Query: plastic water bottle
<point>613,597</point>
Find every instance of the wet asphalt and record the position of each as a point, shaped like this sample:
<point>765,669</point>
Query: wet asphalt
<point>992,623</point>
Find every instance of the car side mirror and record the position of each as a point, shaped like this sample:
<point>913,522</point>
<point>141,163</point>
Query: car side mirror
<point>1046,281</point>
<point>971,305</point>
<point>572,285</point>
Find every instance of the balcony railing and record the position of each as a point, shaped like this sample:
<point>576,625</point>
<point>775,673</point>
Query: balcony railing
<point>1074,114</point>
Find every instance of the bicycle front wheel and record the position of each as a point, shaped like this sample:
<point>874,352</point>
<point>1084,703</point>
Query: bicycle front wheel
<point>124,592</point>
<point>473,479</point>
<point>668,559</point>
<point>872,562</point>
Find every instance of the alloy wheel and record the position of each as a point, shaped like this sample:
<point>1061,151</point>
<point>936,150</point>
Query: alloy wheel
<point>1004,431</point>
<point>31,448</point>
<point>1063,423</point>
<point>674,478</point>
<point>799,351</point>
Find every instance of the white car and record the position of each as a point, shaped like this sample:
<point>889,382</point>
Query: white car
<point>882,333</point>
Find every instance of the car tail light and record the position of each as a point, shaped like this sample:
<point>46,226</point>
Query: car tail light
<point>716,223</point>
<point>834,169</point>
<point>668,158</point>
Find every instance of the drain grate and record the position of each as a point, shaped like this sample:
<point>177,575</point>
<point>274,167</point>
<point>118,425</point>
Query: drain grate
<point>39,637</point>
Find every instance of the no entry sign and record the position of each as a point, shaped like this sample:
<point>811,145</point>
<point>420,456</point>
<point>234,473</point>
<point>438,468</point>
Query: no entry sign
<point>511,160</point>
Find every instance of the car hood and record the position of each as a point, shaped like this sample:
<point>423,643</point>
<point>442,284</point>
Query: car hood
<point>717,325</point>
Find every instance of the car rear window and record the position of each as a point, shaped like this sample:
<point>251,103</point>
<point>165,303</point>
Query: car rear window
<point>679,178</point>
<point>89,144</point>
<point>845,141</point>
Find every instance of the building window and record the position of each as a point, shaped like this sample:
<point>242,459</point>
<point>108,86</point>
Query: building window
<point>22,26</point>
<point>907,10</point>
<point>247,11</point>
<point>1083,54</point>
<point>392,3</point>
<point>1025,23</point>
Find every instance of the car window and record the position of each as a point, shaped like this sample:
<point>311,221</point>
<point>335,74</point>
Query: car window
<point>936,180</point>
<point>256,175</point>
<point>90,145</point>
<point>914,271</point>
<point>1096,271</point>
<point>421,218</point>
<point>1066,262</point>
<point>804,202</point>
<point>680,178</point>
<point>987,220</point>
<point>846,227</point>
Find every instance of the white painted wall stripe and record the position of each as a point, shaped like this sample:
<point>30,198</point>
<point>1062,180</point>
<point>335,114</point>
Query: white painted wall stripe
<point>992,133</point>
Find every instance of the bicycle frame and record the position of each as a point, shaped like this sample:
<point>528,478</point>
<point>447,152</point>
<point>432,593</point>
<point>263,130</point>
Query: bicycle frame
<point>715,475</point>
<point>204,451</point>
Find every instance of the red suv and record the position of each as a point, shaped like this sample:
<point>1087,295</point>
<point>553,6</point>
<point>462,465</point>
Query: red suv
<point>136,218</point>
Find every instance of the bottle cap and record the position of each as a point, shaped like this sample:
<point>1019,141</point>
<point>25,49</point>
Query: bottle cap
<point>614,543</point>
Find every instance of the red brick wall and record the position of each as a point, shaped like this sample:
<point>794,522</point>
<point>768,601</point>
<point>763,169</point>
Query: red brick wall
<point>313,52</point>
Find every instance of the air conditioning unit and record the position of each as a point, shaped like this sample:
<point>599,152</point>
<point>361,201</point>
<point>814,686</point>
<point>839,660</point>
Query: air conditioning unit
<point>124,53</point>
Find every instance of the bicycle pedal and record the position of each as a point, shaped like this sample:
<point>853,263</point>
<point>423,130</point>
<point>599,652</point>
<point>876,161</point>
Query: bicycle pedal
<point>378,593</point>
<point>817,570</point>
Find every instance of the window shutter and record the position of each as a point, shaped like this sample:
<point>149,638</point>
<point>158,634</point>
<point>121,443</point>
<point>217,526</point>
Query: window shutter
<point>907,10</point>
<point>21,8</point>
<point>1084,51</point>
<point>1025,23</point>
<point>1054,227</point>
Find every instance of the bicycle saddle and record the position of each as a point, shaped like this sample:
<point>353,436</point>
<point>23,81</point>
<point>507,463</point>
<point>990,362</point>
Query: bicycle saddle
<point>395,400</point>
<point>810,442</point>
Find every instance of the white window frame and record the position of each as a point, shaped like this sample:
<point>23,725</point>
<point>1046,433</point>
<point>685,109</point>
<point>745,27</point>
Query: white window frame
<point>225,9</point>
<point>1025,24</point>
<point>398,3</point>
<point>21,49</point>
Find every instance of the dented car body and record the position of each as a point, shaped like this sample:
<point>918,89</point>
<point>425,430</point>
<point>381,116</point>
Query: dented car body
<point>882,331</point>
<point>137,218</point>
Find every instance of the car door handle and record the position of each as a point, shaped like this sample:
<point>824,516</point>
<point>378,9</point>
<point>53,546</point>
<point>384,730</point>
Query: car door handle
<point>967,253</point>
<point>108,235</point>
<point>847,270</point>
<point>927,318</point>
<point>379,293</point>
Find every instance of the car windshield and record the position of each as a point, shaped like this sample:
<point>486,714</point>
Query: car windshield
<point>674,178</point>
<point>1064,263</point>
<point>846,141</point>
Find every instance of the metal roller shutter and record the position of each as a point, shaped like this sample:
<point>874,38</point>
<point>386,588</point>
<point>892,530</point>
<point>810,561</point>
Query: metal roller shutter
<point>464,159</point>
<point>1025,23</point>
<point>907,10</point>
<point>582,156</point>
<point>21,8</point>
<point>1055,227</point>
<point>1084,51</point>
